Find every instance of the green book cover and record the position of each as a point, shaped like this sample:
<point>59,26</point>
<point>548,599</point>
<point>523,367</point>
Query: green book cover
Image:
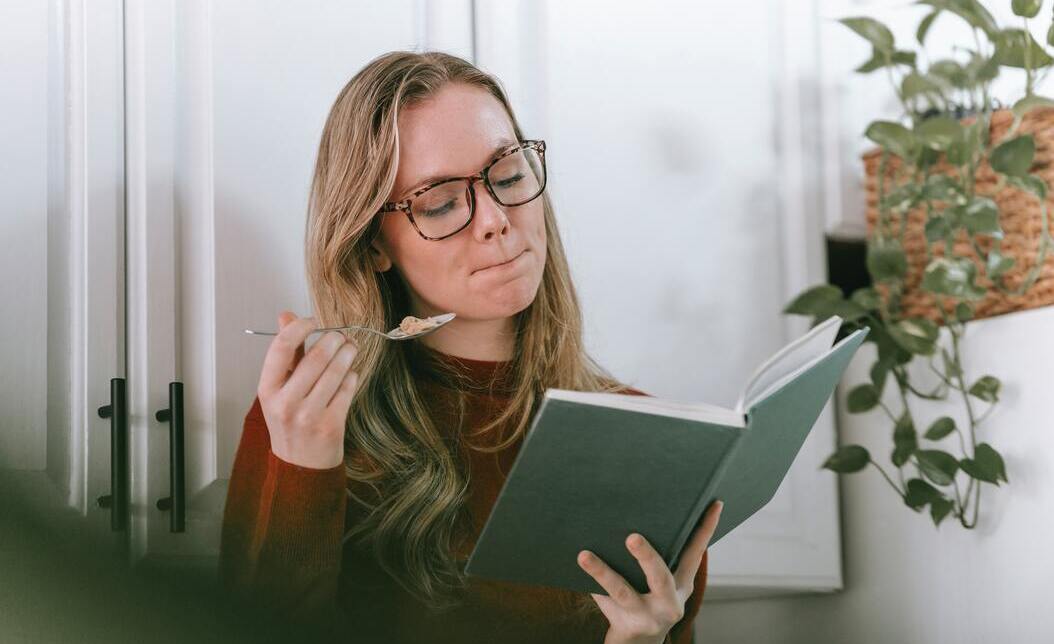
<point>595,467</point>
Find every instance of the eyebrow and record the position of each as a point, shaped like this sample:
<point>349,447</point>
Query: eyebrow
<point>503,143</point>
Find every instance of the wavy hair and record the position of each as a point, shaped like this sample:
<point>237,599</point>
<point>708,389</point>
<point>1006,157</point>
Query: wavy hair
<point>392,446</point>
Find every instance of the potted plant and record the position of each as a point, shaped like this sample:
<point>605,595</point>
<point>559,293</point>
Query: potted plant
<point>957,230</point>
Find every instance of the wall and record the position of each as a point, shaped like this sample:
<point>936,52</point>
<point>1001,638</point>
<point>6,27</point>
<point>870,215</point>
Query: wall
<point>905,581</point>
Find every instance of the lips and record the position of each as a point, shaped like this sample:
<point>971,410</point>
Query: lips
<point>479,270</point>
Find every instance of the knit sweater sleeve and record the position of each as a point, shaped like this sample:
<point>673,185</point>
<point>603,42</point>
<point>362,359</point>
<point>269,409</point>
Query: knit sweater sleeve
<point>282,532</point>
<point>681,633</point>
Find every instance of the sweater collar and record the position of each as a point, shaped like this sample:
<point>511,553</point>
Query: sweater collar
<point>475,375</point>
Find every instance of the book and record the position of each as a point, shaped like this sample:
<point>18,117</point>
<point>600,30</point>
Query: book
<point>595,467</point>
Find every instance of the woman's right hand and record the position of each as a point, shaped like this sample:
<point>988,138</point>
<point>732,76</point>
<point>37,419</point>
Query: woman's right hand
<point>305,398</point>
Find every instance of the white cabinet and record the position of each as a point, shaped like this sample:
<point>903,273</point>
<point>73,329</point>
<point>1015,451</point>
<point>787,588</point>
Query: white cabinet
<point>226,103</point>
<point>189,140</point>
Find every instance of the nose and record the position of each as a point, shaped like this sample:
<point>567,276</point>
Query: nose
<point>490,218</point>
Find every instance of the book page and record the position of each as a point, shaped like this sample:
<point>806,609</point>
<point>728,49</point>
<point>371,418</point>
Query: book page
<point>650,405</point>
<point>789,360</point>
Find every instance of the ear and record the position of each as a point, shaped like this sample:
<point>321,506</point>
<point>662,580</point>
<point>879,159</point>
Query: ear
<point>382,261</point>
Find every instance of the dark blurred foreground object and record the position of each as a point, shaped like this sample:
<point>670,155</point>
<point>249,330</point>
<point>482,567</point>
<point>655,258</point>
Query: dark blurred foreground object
<point>58,585</point>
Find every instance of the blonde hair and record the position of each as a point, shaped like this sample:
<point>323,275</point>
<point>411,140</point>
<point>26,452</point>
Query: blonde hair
<point>391,443</point>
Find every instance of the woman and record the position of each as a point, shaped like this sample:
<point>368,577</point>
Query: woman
<point>367,467</point>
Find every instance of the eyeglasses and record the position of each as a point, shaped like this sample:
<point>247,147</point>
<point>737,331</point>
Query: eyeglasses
<point>444,208</point>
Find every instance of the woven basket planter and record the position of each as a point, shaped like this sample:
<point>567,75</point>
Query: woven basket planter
<point>1019,217</point>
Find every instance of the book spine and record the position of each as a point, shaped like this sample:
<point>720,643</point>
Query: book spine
<point>700,505</point>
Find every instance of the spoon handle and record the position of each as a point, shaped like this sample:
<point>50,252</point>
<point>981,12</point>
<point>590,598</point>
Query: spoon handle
<point>335,328</point>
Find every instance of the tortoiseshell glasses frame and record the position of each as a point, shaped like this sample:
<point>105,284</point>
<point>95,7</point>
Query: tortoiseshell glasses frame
<point>404,205</point>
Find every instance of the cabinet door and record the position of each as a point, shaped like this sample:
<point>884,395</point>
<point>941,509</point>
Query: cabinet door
<point>679,175</point>
<point>62,269</point>
<point>226,105</point>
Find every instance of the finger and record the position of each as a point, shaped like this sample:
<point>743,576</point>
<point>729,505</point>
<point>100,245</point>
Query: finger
<point>693,553</point>
<point>660,579</point>
<point>285,318</point>
<point>327,384</point>
<point>341,402</point>
<point>618,588</point>
<point>310,370</point>
<point>284,352</point>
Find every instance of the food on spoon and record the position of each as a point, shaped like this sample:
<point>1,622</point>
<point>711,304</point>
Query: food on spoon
<point>411,325</point>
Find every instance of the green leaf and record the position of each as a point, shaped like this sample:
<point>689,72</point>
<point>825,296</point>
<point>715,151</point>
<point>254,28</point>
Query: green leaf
<point>902,57</point>
<point>878,374</point>
<point>969,10</point>
<point>1050,35</point>
<point>936,465</point>
<point>937,229</point>
<point>952,277</point>
<point>880,37</point>
<point>904,440</point>
<point>941,187</point>
<point>893,137</point>
<point>1010,45</point>
<point>980,69</point>
<point>1026,8</point>
<point>997,264</point>
<point>867,298</point>
<point>920,493</point>
<point>1014,157</point>
<point>1029,103</point>
<point>924,26</point>
<point>916,84</point>
<point>902,198</point>
<point>938,132</point>
<point>987,465</point>
<point>981,217</point>
<point>815,301</point>
<point>940,428</point>
<point>848,459</point>
<point>958,153</point>
<point>990,461</point>
<point>886,260</point>
<point>963,311</point>
<point>1030,183</point>
<point>881,59</point>
<point>951,71</point>
<point>986,388</point>
<point>888,349</point>
<point>862,398</point>
<point>917,335</point>
<point>939,509</point>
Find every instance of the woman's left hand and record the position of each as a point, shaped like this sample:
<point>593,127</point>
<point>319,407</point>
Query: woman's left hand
<point>645,619</point>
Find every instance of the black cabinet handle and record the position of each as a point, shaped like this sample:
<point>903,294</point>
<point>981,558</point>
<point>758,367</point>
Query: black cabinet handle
<point>117,499</point>
<point>176,501</point>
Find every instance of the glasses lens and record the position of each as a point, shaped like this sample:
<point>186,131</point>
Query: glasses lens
<point>518,177</point>
<point>442,209</point>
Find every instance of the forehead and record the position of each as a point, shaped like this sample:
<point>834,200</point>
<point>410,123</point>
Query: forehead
<point>453,133</point>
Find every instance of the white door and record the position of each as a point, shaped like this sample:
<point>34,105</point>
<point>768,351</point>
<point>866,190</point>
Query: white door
<point>62,269</point>
<point>226,103</point>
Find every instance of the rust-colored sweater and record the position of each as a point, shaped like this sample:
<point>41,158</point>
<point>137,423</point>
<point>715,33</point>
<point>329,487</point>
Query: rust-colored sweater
<point>282,543</point>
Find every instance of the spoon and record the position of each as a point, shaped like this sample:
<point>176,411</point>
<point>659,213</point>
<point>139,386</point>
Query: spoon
<point>395,334</point>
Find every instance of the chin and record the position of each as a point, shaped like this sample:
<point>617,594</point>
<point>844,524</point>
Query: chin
<point>508,301</point>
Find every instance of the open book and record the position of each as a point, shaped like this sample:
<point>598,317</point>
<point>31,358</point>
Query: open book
<point>595,467</point>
